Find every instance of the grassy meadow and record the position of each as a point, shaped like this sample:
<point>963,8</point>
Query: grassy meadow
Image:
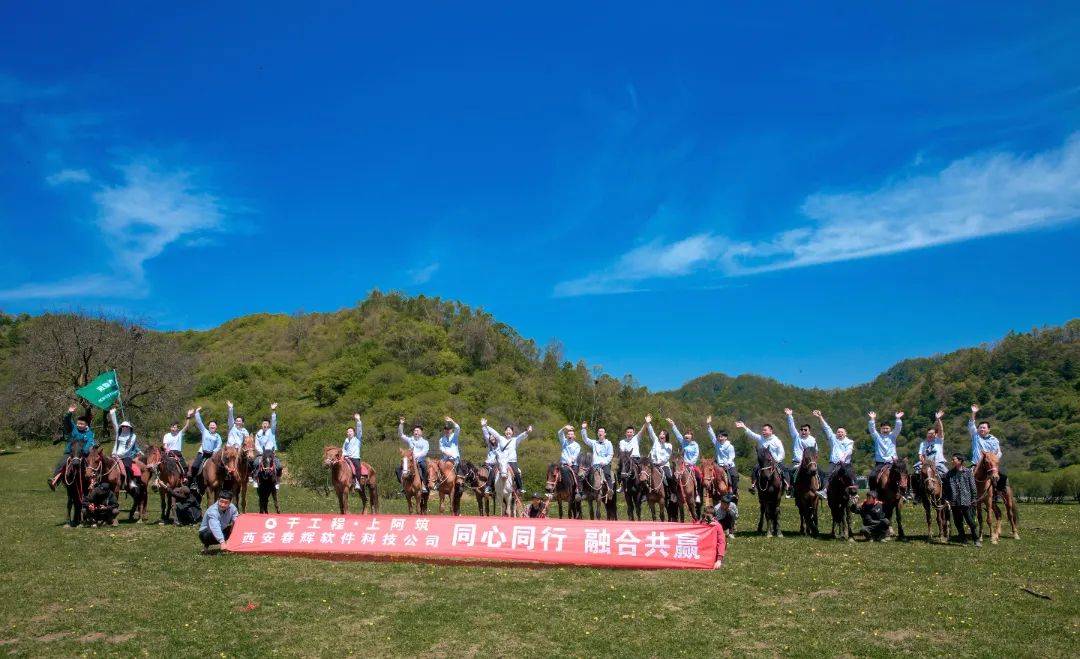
<point>144,589</point>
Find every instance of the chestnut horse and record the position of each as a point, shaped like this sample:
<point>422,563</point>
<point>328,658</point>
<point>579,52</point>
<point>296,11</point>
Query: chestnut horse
<point>653,487</point>
<point>442,478</point>
<point>412,483</point>
<point>560,484</point>
<point>170,474</point>
<point>341,475</point>
<point>103,468</point>
<point>686,485</point>
<point>477,478</point>
<point>243,469</point>
<point>714,480</point>
<point>929,489</point>
<point>986,479</point>
<point>220,471</point>
<point>892,483</point>
<point>770,487</point>
<point>806,492</point>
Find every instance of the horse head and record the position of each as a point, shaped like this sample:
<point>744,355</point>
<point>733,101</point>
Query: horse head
<point>900,472</point>
<point>809,460</point>
<point>247,447</point>
<point>626,465</point>
<point>230,459</point>
<point>765,457</point>
<point>988,464</point>
<point>554,475</point>
<point>331,454</point>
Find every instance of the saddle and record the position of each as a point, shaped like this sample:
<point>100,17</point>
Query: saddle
<point>365,469</point>
<point>563,469</point>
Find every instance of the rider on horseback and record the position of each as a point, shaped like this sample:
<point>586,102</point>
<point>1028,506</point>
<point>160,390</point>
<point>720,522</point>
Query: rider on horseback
<point>569,454</point>
<point>884,445</point>
<point>211,443</point>
<point>801,440</point>
<point>266,440</point>
<point>770,442</point>
<point>237,431</point>
<point>503,444</point>
<point>660,456</point>
<point>983,442</point>
<point>125,445</point>
<point>352,447</point>
<point>840,449</point>
<point>691,453</point>
<point>602,452</point>
<point>419,447</point>
<point>448,442</point>
<point>725,456</point>
<point>631,444</point>
<point>933,448</point>
<point>172,443</point>
<point>77,430</point>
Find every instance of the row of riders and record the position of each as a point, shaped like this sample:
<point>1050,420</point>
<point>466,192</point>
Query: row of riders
<point>94,478</point>
<point>676,484</point>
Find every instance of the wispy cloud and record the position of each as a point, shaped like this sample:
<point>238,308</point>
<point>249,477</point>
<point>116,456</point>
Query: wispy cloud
<point>982,195</point>
<point>423,275</point>
<point>149,209</point>
<point>68,176</point>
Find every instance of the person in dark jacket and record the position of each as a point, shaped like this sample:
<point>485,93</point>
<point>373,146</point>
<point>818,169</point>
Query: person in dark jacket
<point>875,524</point>
<point>101,506</point>
<point>186,506</point>
<point>958,487</point>
<point>727,513</point>
<point>538,507</point>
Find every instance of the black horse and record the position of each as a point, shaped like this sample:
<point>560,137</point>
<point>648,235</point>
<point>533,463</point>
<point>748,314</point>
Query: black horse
<point>628,479</point>
<point>842,495</point>
<point>77,484</point>
<point>770,487</point>
<point>266,482</point>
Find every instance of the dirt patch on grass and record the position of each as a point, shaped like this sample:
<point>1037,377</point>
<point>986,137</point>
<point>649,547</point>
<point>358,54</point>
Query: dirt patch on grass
<point>824,592</point>
<point>49,638</point>
<point>92,638</point>
<point>899,635</point>
<point>120,638</point>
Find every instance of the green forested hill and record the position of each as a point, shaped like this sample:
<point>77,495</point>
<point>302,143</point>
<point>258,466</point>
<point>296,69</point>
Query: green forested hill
<point>425,358</point>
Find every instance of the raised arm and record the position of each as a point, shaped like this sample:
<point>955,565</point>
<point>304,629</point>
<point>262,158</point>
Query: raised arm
<point>69,420</point>
<point>938,425</point>
<point>750,433</point>
<point>562,435</point>
<point>401,430</point>
<point>115,424</point>
<point>359,426</point>
<point>791,427</point>
<point>712,434</point>
<point>232,417</point>
<point>872,426</point>
<point>896,428</point>
<point>523,435</point>
<point>675,431</point>
<point>199,423</point>
<point>652,433</point>
<point>825,427</point>
<point>273,418</point>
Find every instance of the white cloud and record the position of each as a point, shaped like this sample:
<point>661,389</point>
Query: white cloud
<point>423,275</point>
<point>68,176</point>
<point>149,210</point>
<point>974,197</point>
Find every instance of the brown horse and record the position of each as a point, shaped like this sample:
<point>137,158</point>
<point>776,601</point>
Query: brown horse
<point>442,478</point>
<point>220,471</point>
<point>102,468</point>
<point>412,483</point>
<point>560,484</point>
<point>169,474</point>
<point>714,480</point>
<point>477,478</point>
<point>770,486</point>
<point>341,475</point>
<point>652,484</point>
<point>243,469</point>
<point>595,489</point>
<point>986,489</point>
<point>806,492</point>
<point>929,488</point>
<point>891,485</point>
<point>686,488</point>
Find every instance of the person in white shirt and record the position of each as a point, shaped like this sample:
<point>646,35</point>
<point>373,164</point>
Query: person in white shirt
<point>266,443</point>
<point>506,445</point>
<point>419,446</point>
<point>932,447</point>
<point>630,444</point>
<point>725,456</point>
<point>840,449</point>
<point>237,431</point>
<point>602,451</point>
<point>352,448</point>
<point>172,443</point>
<point>660,456</point>
<point>769,441</point>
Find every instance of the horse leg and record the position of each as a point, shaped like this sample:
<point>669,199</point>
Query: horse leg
<point>899,520</point>
<point>995,528</point>
<point>761,516</point>
<point>776,520</point>
<point>1010,510</point>
<point>926,509</point>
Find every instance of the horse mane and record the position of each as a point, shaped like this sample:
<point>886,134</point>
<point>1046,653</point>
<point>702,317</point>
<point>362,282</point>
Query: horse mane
<point>809,458</point>
<point>764,457</point>
<point>585,460</point>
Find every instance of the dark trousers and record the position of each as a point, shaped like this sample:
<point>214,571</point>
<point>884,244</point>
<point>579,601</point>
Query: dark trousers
<point>878,529</point>
<point>179,456</point>
<point>61,463</point>
<point>960,515</point>
<point>783,474</point>
<point>517,474</point>
<point>421,466</point>
<point>207,538</point>
<point>196,464</point>
<point>832,469</point>
<point>795,472</point>
<point>356,464</point>
<point>733,478</point>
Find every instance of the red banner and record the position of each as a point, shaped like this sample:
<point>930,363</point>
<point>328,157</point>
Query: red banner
<point>571,541</point>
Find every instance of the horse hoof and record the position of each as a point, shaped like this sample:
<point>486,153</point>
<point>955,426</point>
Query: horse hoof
<point>1016,536</point>
<point>993,541</point>
<point>779,534</point>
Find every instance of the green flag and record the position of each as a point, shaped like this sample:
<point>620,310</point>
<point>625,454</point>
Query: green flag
<point>102,391</point>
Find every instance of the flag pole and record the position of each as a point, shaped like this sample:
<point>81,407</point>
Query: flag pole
<point>119,397</point>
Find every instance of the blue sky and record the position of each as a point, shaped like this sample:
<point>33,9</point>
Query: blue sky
<point>810,192</point>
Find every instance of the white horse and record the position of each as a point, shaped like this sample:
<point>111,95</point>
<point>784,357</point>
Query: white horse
<point>504,488</point>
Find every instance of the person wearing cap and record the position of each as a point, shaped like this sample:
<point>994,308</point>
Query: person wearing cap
<point>448,442</point>
<point>419,447</point>
<point>186,505</point>
<point>353,446</point>
<point>211,443</point>
<point>507,445</point>
<point>75,430</point>
<point>875,524</point>
<point>727,513</point>
<point>538,506</point>
<point>217,523</point>
<point>958,488</point>
<point>840,449</point>
<point>266,440</point>
<point>101,505</point>
<point>602,452</point>
<point>172,443</point>
<point>125,443</point>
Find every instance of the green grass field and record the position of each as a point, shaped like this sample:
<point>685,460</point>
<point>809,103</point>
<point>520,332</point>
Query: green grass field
<point>144,589</point>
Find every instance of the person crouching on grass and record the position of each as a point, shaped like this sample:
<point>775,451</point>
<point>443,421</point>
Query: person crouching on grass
<point>875,524</point>
<point>217,523</point>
